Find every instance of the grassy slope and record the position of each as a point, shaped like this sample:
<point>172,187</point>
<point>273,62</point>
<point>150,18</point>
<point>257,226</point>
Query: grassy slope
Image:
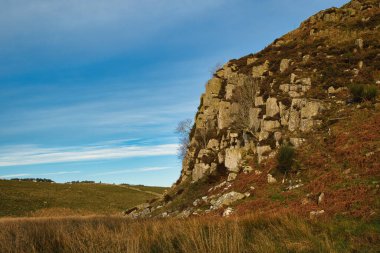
<point>25,198</point>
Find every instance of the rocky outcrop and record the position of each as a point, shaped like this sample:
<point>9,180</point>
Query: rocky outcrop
<point>287,112</point>
<point>254,104</point>
<point>282,94</point>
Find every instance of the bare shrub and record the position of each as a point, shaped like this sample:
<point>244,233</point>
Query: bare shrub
<point>183,130</point>
<point>203,134</point>
<point>245,97</point>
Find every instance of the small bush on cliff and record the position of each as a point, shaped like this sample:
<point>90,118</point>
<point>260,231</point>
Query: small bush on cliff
<point>362,92</point>
<point>285,158</point>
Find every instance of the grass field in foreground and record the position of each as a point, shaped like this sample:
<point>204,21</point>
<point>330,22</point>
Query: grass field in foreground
<point>276,233</point>
<point>18,198</point>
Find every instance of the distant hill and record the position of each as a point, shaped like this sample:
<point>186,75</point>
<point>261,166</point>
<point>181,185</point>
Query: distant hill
<point>28,198</point>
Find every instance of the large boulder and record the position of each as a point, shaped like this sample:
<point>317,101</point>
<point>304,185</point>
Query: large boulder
<point>258,71</point>
<point>294,120</point>
<point>200,170</point>
<point>227,199</point>
<point>284,65</point>
<point>226,115</point>
<point>272,108</point>
<point>270,125</point>
<point>254,120</point>
<point>310,110</point>
<point>214,86</point>
<point>232,159</point>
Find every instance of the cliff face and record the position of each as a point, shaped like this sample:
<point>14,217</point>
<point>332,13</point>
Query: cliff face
<point>292,92</point>
<point>254,104</point>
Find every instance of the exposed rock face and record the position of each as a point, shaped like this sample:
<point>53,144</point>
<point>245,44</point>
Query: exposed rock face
<point>282,94</point>
<point>294,88</point>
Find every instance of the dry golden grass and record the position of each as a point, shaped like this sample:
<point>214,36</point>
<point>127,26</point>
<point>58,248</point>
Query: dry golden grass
<point>217,235</point>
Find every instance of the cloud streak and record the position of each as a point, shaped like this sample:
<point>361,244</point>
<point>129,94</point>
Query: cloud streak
<point>30,154</point>
<point>39,175</point>
<point>147,169</point>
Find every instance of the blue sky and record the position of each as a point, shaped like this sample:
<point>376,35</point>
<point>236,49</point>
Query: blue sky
<point>93,89</point>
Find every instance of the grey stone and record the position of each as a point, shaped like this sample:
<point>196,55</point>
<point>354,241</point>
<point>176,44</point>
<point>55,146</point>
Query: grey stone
<point>258,71</point>
<point>263,135</point>
<point>315,214</point>
<point>271,179</point>
<point>200,169</point>
<point>254,120</point>
<point>259,101</point>
<point>214,86</point>
<point>284,65</point>
<point>285,87</point>
<point>227,199</point>
<point>213,144</point>
<point>306,125</point>
<point>321,198</point>
<point>310,110</point>
<point>231,177</point>
<point>359,43</point>
<point>270,125</point>
<point>227,212</point>
<point>232,159</point>
<point>226,114</point>
<point>294,120</point>
<point>271,107</point>
<point>263,149</point>
<point>296,142</point>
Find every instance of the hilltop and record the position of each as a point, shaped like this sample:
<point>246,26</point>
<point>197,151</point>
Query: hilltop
<point>28,198</point>
<point>294,128</point>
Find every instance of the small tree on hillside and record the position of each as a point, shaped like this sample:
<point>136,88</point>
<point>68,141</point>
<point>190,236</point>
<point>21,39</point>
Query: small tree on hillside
<point>183,130</point>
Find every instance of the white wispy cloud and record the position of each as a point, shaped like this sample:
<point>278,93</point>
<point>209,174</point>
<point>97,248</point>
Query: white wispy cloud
<point>30,154</point>
<point>39,175</point>
<point>147,169</point>
<point>15,175</point>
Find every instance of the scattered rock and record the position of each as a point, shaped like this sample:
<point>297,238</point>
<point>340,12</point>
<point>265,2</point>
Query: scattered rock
<point>228,212</point>
<point>297,142</point>
<point>291,187</point>
<point>347,171</point>
<point>197,202</point>
<point>315,214</point>
<point>227,199</point>
<point>321,198</point>
<point>247,169</point>
<point>258,71</point>
<point>284,65</point>
<point>271,179</point>
<point>305,201</point>
<point>231,177</point>
<point>359,43</point>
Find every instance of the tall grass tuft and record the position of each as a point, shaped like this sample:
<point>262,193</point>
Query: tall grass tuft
<point>285,158</point>
<point>276,233</point>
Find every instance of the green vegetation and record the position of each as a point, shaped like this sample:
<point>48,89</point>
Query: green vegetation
<point>37,198</point>
<point>362,92</point>
<point>285,158</point>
